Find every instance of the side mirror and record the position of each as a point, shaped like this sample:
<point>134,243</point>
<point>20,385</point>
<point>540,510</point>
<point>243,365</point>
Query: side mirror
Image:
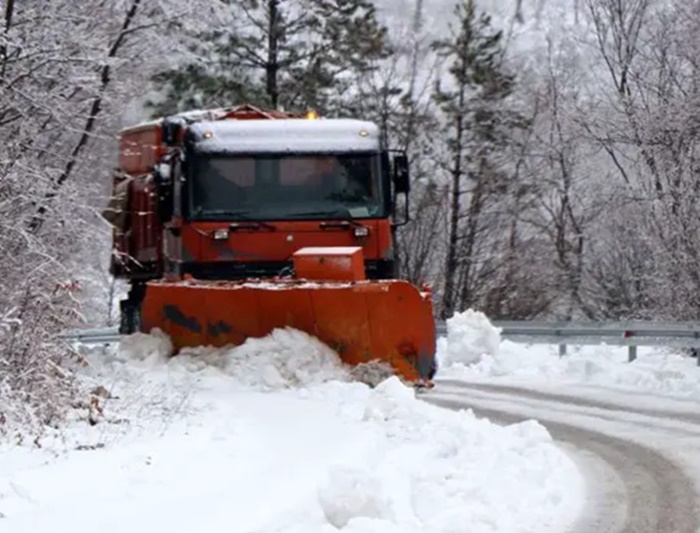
<point>171,129</point>
<point>401,178</point>
<point>162,176</point>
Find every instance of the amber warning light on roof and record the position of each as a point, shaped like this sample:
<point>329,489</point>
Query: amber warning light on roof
<point>311,115</point>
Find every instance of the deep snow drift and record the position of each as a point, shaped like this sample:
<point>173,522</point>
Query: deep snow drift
<point>473,350</point>
<point>241,440</point>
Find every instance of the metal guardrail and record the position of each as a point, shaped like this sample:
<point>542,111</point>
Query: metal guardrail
<point>631,334</point>
<point>93,336</point>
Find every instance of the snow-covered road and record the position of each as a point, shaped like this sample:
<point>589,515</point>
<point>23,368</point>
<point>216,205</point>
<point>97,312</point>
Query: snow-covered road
<point>642,462</point>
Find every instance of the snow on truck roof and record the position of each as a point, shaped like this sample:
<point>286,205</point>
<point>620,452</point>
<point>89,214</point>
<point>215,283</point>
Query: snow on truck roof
<point>286,135</point>
<point>188,116</point>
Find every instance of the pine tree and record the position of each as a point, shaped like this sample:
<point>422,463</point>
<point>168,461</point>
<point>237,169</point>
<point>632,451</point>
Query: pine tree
<point>288,54</point>
<point>477,124</point>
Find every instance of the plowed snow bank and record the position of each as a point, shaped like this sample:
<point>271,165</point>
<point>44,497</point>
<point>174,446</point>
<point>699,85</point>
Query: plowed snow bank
<point>285,358</point>
<point>472,350</point>
<point>274,435</point>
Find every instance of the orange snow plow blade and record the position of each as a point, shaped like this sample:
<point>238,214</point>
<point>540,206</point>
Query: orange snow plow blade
<point>390,321</point>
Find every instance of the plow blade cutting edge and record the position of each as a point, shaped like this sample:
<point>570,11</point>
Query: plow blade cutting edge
<point>390,321</point>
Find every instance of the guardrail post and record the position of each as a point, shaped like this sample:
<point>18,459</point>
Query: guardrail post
<point>562,350</point>
<point>632,349</point>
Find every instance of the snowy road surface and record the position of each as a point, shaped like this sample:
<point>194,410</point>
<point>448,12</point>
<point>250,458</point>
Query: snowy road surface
<point>640,461</point>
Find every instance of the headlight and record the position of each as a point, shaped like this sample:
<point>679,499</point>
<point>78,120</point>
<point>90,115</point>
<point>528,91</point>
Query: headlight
<point>220,234</point>
<point>361,231</point>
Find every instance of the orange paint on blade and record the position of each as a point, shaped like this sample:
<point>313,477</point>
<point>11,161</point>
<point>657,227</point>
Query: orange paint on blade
<point>389,321</point>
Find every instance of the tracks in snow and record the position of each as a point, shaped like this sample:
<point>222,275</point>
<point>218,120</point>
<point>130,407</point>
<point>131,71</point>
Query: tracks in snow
<point>639,461</point>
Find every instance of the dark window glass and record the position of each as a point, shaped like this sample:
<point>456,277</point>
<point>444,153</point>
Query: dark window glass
<point>286,187</point>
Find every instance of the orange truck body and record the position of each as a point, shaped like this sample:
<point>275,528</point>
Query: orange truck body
<point>195,277</point>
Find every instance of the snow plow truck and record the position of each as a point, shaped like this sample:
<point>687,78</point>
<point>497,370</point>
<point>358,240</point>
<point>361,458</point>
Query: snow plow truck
<point>229,223</point>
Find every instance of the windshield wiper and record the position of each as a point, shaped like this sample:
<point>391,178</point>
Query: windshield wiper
<point>251,224</point>
<point>248,222</point>
<point>345,223</point>
<point>342,212</point>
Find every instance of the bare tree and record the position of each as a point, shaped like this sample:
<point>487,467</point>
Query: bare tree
<point>651,136</point>
<point>66,69</point>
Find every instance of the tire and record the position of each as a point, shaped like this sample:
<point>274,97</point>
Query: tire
<point>129,319</point>
<point>130,311</point>
<point>125,318</point>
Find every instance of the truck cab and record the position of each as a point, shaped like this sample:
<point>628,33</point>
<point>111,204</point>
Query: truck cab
<point>232,195</point>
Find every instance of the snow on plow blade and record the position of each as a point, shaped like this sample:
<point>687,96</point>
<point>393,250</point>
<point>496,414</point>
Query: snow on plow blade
<point>390,320</point>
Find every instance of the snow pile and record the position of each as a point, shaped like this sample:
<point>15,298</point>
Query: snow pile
<point>438,469</point>
<point>285,358</point>
<point>470,336</point>
<point>353,495</point>
<point>294,450</point>
<point>655,369</point>
<point>155,347</point>
<point>372,373</point>
<point>473,350</point>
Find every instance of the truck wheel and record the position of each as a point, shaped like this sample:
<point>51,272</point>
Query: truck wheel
<point>129,320</point>
<point>130,310</point>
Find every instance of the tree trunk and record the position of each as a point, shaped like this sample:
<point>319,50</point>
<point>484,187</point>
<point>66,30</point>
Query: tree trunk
<point>9,11</point>
<point>448,296</point>
<point>469,240</point>
<point>519,11</point>
<point>272,66</point>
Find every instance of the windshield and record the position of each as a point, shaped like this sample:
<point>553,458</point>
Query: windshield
<point>285,187</point>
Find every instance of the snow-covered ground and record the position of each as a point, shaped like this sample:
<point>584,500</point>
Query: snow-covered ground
<point>241,440</point>
<point>275,436</point>
<point>474,351</point>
